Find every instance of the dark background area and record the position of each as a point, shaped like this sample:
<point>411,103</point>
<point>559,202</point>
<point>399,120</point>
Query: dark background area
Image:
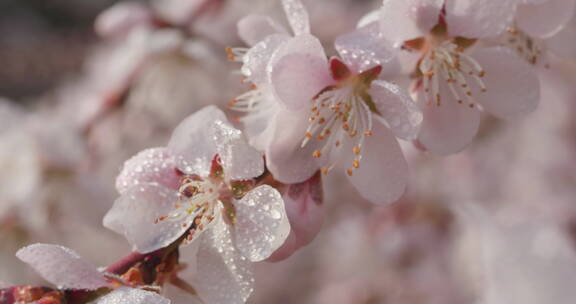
<point>43,42</point>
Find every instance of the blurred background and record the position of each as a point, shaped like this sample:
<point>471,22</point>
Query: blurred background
<point>80,94</point>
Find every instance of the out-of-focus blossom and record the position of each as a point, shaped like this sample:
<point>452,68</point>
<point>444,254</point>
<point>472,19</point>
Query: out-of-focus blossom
<point>541,28</point>
<point>454,77</point>
<point>19,159</point>
<point>200,185</point>
<point>513,260</point>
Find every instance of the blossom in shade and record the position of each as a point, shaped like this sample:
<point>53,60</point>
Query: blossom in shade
<point>453,75</point>
<point>201,188</point>
<point>305,211</point>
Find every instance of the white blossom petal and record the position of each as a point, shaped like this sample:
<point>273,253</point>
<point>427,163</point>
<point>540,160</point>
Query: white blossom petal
<point>206,133</point>
<point>402,20</point>
<point>256,60</point>
<point>401,113</point>
<point>134,213</point>
<point>447,128</point>
<point>255,28</point>
<point>261,223</point>
<point>362,50</point>
<point>126,295</point>
<point>297,16</point>
<point>62,266</point>
<point>119,19</point>
<point>241,161</point>
<point>368,19</point>
<point>298,71</point>
<point>513,88</point>
<point>479,18</point>
<point>297,78</point>
<point>383,172</point>
<point>563,44</point>
<point>546,19</point>
<point>223,274</point>
<point>193,143</point>
<point>153,165</point>
<point>285,158</point>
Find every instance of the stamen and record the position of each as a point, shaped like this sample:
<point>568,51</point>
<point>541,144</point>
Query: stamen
<point>456,68</point>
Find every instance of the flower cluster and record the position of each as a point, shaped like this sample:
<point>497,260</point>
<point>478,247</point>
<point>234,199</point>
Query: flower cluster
<point>224,194</point>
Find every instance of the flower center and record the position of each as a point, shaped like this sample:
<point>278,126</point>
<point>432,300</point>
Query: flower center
<point>449,63</point>
<point>198,199</point>
<point>342,111</point>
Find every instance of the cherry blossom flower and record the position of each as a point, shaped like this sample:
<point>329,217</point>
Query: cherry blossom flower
<point>200,187</point>
<point>313,108</point>
<point>537,23</point>
<point>454,77</point>
<point>264,36</point>
<point>338,105</point>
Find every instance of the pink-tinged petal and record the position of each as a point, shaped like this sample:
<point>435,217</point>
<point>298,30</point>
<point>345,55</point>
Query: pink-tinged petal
<point>383,172</point>
<point>512,84</point>
<point>119,19</point>
<point>259,125</point>
<point>300,62</point>
<point>297,16</point>
<point>261,223</point>
<point>255,28</point>
<point>563,44</point>
<point>134,215</point>
<point>286,250</point>
<point>223,274</point>
<point>62,267</point>
<point>363,50</point>
<point>546,19</point>
<point>401,114</point>
<point>192,141</point>
<point>297,78</point>
<point>402,20</point>
<point>241,161</point>
<point>448,128</point>
<point>479,18</point>
<point>206,133</point>
<point>285,158</point>
<point>371,18</point>
<point>303,44</point>
<point>304,207</point>
<point>126,295</point>
<point>257,58</point>
<point>153,165</point>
